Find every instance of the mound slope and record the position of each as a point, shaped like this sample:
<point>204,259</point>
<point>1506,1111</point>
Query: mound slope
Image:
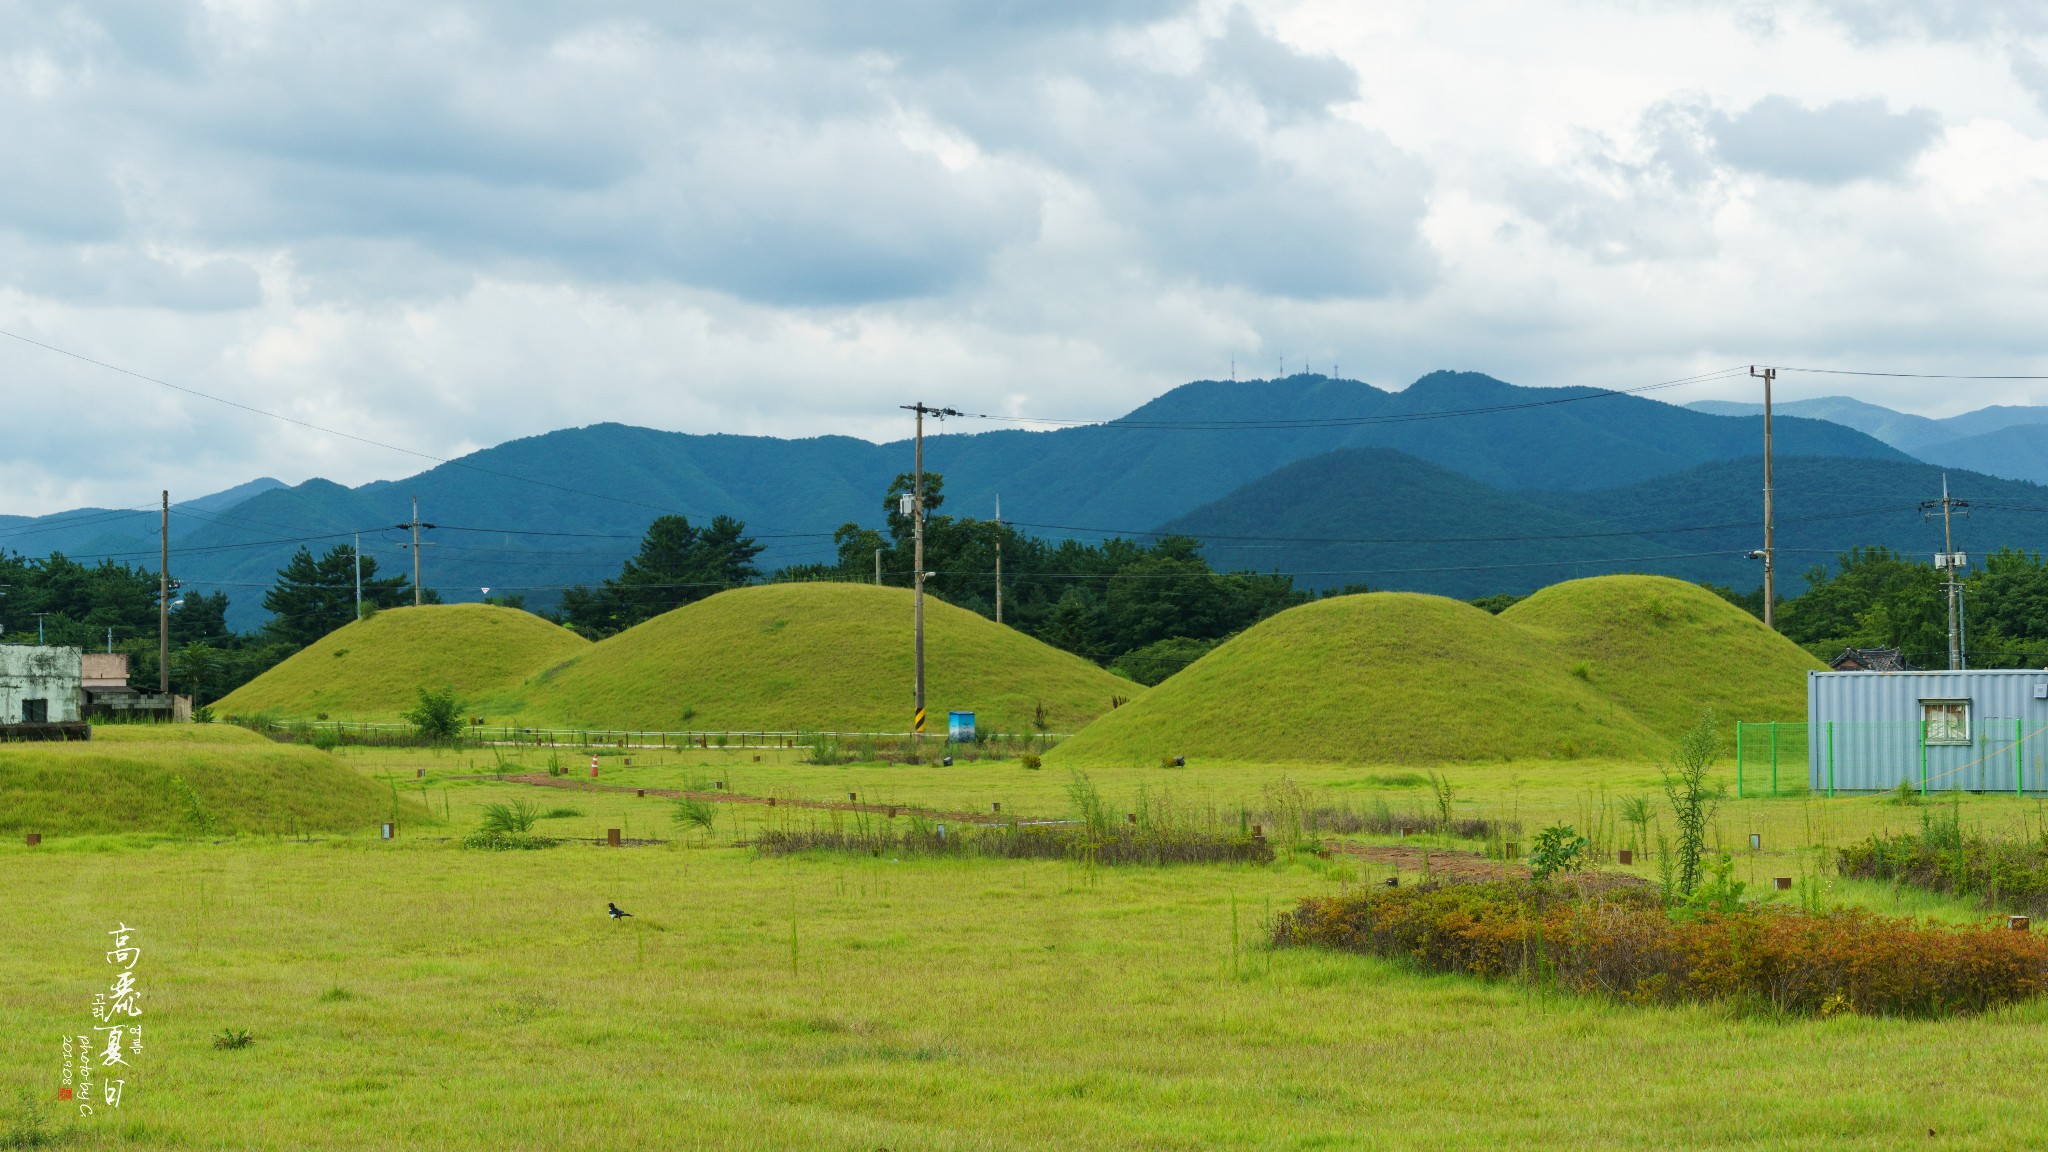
<point>372,669</point>
<point>128,779</point>
<point>1665,649</point>
<point>836,657</point>
<point>1384,677</point>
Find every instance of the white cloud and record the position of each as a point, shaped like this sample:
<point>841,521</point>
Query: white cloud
<point>447,224</point>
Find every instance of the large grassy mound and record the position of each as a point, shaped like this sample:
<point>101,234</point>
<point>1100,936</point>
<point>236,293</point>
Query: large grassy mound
<point>1386,677</point>
<point>837,657</point>
<point>184,778</point>
<point>372,669</point>
<point>1666,649</point>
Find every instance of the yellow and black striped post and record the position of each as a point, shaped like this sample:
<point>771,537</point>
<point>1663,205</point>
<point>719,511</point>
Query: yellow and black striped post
<point>917,724</point>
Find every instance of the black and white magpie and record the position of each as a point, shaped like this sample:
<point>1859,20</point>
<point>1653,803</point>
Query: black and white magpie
<point>617,913</point>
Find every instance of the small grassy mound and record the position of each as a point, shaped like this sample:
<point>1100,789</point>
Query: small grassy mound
<point>836,657</point>
<point>198,778</point>
<point>372,669</point>
<point>1386,677</point>
<point>1664,649</point>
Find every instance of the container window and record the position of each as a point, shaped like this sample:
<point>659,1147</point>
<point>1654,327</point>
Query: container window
<point>1947,721</point>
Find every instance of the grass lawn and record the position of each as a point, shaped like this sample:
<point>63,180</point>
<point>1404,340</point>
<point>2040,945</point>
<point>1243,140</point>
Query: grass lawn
<point>418,994</point>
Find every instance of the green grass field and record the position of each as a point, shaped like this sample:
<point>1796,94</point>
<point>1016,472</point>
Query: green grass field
<point>785,657</point>
<point>417,994</point>
<point>372,669</point>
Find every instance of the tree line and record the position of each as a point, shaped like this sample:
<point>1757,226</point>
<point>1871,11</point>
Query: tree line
<point>109,606</point>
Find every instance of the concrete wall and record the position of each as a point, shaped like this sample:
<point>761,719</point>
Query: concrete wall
<point>32,672</point>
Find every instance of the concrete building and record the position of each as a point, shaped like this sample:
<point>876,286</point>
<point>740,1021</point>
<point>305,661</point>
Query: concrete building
<point>40,685</point>
<point>1980,730</point>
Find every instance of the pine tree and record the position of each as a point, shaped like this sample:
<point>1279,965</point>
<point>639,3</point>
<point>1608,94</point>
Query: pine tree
<point>314,597</point>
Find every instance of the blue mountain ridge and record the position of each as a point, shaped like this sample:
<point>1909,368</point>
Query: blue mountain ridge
<point>538,513</point>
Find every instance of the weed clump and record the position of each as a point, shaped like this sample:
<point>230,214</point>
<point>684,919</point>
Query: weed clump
<point>232,1039</point>
<point>1998,872</point>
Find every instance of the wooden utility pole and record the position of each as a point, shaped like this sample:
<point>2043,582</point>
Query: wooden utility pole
<point>415,524</point>
<point>999,557</point>
<point>1951,562</point>
<point>359,574</point>
<point>1770,553</point>
<point>917,555</point>
<point>163,602</point>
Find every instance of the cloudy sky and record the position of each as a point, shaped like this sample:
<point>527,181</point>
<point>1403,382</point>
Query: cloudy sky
<point>445,225</point>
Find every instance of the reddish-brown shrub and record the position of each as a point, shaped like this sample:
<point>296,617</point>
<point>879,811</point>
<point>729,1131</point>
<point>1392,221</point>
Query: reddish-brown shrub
<point>1622,944</point>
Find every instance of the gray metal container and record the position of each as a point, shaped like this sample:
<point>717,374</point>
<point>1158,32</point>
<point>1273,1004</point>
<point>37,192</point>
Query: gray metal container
<point>1868,731</point>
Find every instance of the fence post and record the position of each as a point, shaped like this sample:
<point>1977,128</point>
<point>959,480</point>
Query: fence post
<point>1831,759</point>
<point>1738,759</point>
<point>2019,760</point>
<point>1774,758</point>
<point>1923,757</point>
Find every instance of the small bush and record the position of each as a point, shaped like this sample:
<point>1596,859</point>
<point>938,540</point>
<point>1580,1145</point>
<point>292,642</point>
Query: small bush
<point>507,841</point>
<point>1558,848</point>
<point>1032,762</point>
<point>437,715</point>
<point>1619,942</point>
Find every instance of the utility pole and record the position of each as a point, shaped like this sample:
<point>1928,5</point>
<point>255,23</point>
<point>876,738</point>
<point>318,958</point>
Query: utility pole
<point>917,553</point>
<point>1769,555</point>
<point>415,524</point>
<point>999,557</point>
<point>1951,562</point>
<point>163,604</point>
<point>878,567</point>
<point>359,574</point>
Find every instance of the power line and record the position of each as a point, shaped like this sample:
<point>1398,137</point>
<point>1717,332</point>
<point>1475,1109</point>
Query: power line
<point>1898,375</point>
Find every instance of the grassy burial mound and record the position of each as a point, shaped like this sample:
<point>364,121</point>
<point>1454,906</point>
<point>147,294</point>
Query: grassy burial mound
<point>208,779</point>
<point>1665,649</point>
<point>371,669</point>
<point>836,657</point>
<point>1385,677</point>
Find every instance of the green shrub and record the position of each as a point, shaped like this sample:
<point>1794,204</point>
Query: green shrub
<point>437,715</point>
<point>1558,848</point>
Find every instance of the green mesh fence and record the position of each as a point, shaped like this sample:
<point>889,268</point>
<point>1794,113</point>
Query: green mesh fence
<point>1794,758</point>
